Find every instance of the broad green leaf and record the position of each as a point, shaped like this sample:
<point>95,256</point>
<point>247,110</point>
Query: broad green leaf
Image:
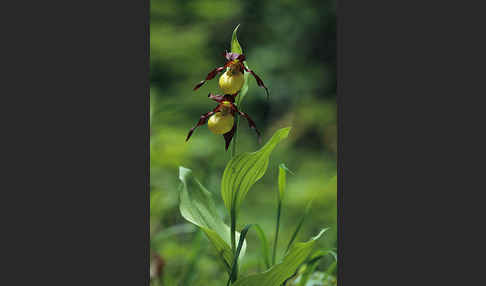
<point>197,206</point>
<point>282,178</point>
<point>172,231</point>
<point>235,45</point>
<point>280,272</point>
<point>246,169</point>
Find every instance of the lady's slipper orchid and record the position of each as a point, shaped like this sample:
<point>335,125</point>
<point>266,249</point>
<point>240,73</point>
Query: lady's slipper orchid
<point>232,80</point>
<point>221,119</point>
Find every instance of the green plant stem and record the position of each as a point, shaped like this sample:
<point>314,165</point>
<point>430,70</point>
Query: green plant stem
<point>233,210</point>
<point>234,267</point>
<point>237,124</point>
<point>233,144</point>
<point>279,208</point>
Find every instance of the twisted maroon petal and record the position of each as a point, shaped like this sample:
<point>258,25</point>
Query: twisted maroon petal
<point>216,97</point>
<point>259,80</point>
<point>220,98</point>
<point>251,123</point>
<point>202,121</point>
<point>210,76</point>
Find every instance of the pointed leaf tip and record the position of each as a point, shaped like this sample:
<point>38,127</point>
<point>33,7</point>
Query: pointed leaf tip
<point>282,166</point>
<point>235,45</point>
<point>282,180</point>
<point>320,233</point>
<point>183,173</point>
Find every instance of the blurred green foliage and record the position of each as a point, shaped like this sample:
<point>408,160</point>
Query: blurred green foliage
<point>291,45</point>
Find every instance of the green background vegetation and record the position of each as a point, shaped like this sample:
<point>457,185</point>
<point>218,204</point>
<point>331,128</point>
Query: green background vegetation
<point>291,45</point>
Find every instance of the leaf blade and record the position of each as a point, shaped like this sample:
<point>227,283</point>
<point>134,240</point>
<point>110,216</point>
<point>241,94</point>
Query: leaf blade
<point>245,169</point>
<point>197,206</point>
<point>276,275</point>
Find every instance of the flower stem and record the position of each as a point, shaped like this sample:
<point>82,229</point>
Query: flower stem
<point>233,209</point>
<point>237,124</point>
<point>279,208</point>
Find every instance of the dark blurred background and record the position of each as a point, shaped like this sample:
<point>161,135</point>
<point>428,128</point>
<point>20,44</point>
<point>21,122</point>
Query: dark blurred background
<point>291,45</point>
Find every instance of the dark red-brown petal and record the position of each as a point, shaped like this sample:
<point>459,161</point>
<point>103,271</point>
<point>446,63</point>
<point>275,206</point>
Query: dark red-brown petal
<point>216,97</point>
<point>210,76</point>
<point>202,121</point>
<point>242,67</point>
<point>241,57</point>
<point>220,98</point>
<point>228,136</point>
<point>251,123</point>
<point>259,80</point>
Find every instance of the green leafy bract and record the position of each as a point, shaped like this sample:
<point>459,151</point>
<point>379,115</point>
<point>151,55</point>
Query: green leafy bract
<point>236,48</point>
<point>197,206</point>
<point>280,272</point>
<point>246,169</point>
<point>235,45</point>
